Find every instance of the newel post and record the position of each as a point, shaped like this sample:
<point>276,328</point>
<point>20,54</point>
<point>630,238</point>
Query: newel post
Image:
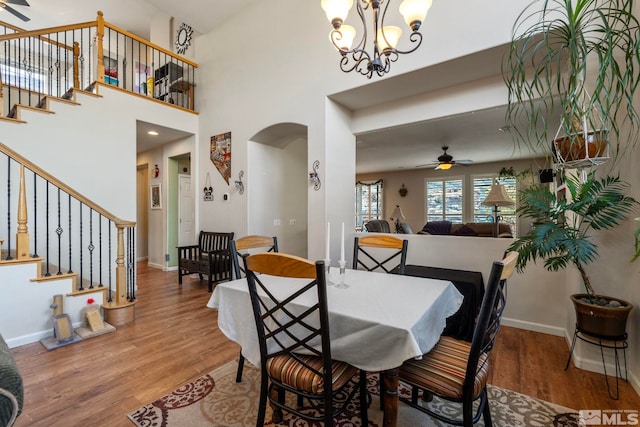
<point>76,56</point>
<point>100,52</point>
<point>121,270</point>
<point>22,236</point>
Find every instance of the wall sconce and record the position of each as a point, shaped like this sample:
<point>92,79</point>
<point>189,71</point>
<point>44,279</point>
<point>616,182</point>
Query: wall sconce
<point>313,176</point>
<point>239,183</point>
<point>156,171</point>
<point>403,191</point>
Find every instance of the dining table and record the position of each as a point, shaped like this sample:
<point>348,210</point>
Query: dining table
<point>376,323</point>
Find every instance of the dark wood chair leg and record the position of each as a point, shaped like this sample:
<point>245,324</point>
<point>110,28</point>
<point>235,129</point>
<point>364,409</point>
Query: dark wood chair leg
<point>240,368</point>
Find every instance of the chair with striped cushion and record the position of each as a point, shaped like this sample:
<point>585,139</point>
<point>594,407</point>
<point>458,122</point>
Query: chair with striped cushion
<point>295,348</point>
<point>239,248</point>
<point>380,252</point>
<point>457,370</point>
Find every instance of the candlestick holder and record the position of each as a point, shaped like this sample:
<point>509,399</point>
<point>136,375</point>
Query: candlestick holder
<point>341,284</point>
<point>327,266</point>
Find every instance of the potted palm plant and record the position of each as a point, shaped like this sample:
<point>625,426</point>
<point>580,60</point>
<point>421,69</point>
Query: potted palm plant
<point>576,60</point>
<point>561,237</point>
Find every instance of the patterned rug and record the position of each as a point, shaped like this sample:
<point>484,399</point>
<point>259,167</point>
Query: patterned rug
<point>217,400</point>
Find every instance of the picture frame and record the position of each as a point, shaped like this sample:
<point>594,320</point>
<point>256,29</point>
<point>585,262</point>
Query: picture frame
<point>155,196</point>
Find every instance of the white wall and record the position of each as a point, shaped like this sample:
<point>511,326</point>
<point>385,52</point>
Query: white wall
<point>278,183</point>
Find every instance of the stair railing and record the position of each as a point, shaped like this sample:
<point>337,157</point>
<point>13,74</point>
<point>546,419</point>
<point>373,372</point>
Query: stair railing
<point>64,229</point>
<point>48,62</point>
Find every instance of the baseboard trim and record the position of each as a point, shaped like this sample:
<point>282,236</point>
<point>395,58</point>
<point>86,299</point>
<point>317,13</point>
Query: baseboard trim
<point>535,327</point>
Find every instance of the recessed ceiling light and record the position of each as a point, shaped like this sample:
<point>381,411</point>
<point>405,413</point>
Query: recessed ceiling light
<point>153,132</point>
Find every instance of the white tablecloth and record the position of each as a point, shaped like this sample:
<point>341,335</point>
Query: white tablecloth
<point>377,323</point>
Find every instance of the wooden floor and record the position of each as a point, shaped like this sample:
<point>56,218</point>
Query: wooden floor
<point>175,339</point>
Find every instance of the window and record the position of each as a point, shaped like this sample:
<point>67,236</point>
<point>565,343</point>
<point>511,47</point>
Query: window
<point>444,200</point>
<point>481,187</point>
<point>368,202</point>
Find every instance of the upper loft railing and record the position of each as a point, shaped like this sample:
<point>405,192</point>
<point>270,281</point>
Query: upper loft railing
<point>50,61</point>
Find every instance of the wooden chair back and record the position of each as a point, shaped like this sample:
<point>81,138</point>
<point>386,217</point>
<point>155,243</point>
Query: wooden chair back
<point>392,258</point>
<point>239,248</point>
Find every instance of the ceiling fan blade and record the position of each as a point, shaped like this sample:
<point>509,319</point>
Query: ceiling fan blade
<point>17,2</point>
<point>15,12</point>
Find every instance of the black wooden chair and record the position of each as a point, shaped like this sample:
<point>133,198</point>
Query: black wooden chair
<point>457,370</point>
<point>239,248</point>
<point>380,253</point>
<point>211,256</point>
<point>295,348</point>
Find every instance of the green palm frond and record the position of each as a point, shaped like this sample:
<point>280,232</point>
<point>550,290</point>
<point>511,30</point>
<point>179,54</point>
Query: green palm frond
<point>560,235</point>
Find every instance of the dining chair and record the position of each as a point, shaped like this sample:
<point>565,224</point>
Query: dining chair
<point>295,346</point>
<point>239,247</point>
<point>456,370</point>
<point>380,253</point>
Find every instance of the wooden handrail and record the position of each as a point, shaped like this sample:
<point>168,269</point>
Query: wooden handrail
<point>46,31</point>
<point>13,27</point>
<point>44,174</point>
<point>150,44</point>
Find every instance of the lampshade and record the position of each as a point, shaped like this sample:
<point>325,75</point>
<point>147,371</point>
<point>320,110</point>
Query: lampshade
<point>498,196</point>
<point>414,12</point>
<point>398,214</point>
<point>388,37</point>
<point>344,38</point>
<point>336,10</point>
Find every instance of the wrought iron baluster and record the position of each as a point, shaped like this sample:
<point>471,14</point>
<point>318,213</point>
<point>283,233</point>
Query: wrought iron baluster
<point>46,249</point>
<point>110,293</point>
<point>35,216</point>
<point>59,233</point>
<point>9,257</point>
<point>81,251</point>
<point>100,284</point>
<point>91,247</point>
<point>70,241</point>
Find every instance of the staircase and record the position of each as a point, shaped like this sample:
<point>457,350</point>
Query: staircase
<point>58,238</point>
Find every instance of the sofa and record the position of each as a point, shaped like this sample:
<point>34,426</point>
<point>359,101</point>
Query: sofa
<point>478,229</point>
<point>11,387</point>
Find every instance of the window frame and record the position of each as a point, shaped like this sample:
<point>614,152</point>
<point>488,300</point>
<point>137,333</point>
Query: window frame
<point>366,217</point>
<point>444,215</point>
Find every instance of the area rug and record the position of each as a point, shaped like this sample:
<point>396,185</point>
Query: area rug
<point>216,400</point>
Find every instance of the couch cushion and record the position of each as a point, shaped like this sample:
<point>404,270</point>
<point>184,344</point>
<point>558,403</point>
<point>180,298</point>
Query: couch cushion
<point>437,227</point>
<point>465,230</point>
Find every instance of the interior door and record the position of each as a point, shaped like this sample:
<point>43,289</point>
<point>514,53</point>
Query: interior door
<point>186,201</point>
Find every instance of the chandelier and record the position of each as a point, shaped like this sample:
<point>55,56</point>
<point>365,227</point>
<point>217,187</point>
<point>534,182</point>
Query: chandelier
<point>385,38</point>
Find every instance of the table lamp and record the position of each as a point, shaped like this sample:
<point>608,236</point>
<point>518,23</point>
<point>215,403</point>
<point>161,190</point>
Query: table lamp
<point>398,215</point>
<point>497,197</point>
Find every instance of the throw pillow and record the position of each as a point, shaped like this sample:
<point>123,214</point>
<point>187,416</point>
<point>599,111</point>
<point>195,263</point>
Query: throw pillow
<point>465,230</point>
<point>437,227</point>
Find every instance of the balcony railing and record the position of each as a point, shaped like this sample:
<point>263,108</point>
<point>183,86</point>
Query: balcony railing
<point>49,62</point>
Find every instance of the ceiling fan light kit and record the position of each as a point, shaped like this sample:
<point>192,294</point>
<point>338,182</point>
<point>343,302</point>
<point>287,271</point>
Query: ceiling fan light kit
<point>445,161</point>
<point>4,4</point>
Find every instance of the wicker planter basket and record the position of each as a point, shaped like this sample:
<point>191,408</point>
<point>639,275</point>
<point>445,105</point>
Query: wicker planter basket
<point>601,321</point>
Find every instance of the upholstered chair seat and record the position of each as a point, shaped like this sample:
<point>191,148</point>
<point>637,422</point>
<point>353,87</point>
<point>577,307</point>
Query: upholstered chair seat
<point>289,371</point>
<point>443,369</point>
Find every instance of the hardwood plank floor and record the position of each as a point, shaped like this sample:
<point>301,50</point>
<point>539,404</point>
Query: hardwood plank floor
<point>175,339</point>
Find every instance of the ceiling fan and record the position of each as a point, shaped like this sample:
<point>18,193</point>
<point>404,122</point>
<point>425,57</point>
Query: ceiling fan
<point>4,4</point>
<point>445,161</point>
